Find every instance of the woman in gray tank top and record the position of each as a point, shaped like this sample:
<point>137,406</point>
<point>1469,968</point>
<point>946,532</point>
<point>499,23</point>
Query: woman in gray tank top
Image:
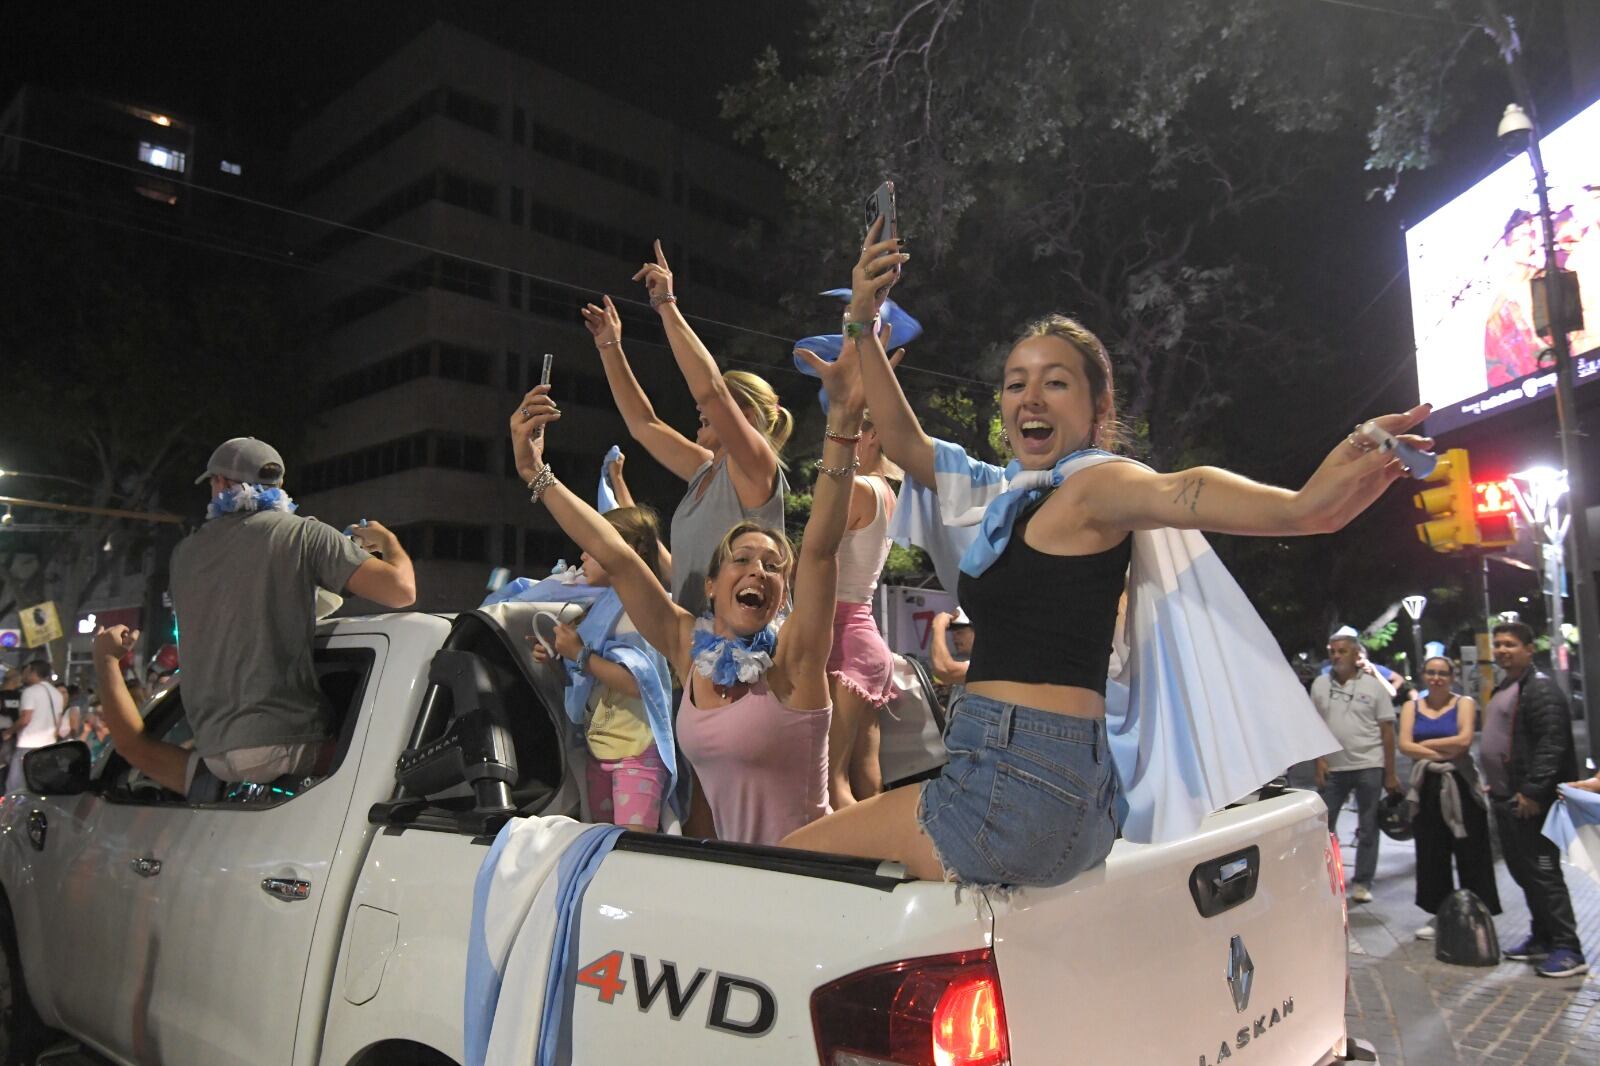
<point>732,466</point>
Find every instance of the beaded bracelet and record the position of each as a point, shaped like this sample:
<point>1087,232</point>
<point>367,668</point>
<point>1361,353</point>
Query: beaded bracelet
<point>660,298</point>
<point>841,471</point>
<point>840,438</point>
<point>539,482</point>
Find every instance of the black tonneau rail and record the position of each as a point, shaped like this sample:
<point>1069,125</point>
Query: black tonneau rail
<point>868,873</point>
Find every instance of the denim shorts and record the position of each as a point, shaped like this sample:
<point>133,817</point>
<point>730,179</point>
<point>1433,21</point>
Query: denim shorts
<point>1027,798</point>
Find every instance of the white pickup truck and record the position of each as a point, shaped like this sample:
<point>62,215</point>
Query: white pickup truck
<point>329,924</point>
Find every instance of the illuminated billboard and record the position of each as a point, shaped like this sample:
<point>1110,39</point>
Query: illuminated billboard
<point>1471,263</point>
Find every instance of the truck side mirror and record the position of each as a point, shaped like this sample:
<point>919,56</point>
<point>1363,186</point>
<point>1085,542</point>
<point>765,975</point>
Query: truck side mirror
<point>59,770</point>
<point>475,748</point>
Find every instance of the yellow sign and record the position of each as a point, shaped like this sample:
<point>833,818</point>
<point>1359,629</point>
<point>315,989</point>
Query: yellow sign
<point>40,624</point>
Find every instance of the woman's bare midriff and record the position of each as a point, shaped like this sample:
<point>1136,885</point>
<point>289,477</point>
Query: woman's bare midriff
<point>1057,699</point>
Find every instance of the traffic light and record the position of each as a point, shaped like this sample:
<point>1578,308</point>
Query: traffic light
<point>1494,512</point>
<point>1449,506</point>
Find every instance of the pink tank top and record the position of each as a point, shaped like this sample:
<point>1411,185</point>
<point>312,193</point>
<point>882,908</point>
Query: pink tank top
<point>764,766</point>
<point>863,551</point>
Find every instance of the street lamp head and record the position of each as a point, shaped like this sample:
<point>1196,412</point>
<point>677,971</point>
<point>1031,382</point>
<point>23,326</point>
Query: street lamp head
<point>1414,606</point>
<point>1515,128</point>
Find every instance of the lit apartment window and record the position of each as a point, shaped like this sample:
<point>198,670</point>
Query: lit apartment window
<point>161,156</point>
<point>229,168</point>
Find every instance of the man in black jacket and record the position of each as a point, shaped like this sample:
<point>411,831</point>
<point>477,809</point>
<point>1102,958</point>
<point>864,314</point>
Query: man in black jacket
<point>1527,751</point>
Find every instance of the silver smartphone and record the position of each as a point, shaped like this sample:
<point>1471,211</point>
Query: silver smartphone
<point>881,205</point>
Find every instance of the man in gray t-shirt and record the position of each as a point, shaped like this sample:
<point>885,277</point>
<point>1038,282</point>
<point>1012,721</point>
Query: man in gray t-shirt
<point>244,589</point>
<point>1360,713</point>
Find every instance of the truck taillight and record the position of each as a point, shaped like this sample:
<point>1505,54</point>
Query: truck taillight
<point>943,1010</point>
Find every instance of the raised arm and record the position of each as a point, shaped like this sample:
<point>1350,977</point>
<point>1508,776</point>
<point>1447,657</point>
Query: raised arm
<point>946,667</point>
<point>904,441</point>
<point>807,636</point>
<point>670,448</point>
<point>165,764</point>
<point>754,464</point>
<point>1123,496</point>
<point>663,623</point>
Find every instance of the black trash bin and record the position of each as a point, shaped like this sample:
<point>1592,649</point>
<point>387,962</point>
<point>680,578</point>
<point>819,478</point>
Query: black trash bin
<point>1464,931</point>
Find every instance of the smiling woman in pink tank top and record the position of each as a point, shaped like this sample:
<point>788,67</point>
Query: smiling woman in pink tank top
<point>754,719</point>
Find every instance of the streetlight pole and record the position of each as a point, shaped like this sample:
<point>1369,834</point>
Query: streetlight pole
<point>1581,572</point>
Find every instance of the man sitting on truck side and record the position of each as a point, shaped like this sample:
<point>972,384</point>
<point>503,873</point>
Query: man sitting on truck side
<point>244,589</point>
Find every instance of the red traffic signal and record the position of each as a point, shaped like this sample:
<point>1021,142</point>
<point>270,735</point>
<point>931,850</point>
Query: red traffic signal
<point>1495,513</point>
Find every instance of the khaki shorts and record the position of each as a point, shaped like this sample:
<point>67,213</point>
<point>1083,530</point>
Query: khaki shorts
<point>259,765</point>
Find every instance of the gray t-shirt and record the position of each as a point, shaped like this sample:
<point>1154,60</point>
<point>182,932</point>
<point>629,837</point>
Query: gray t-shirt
<point>244,589</point>
<point>1352,711</point>
<point>1494,744</point>
<point>700,523</point>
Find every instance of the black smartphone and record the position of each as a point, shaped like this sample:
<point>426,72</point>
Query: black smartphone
<point>881,205</point>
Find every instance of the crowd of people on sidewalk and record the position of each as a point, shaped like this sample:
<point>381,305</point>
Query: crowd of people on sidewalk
<point>1526,750</point>
<point>778,666</point>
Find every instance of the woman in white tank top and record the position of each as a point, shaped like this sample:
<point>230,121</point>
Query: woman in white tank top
<point>860,668</point>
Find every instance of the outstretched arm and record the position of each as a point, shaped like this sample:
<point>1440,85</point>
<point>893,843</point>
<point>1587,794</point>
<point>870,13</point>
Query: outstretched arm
<point>904,441</point>
<point>807,636</point>
<point>754,463</point>
<point>670,448</point>
<point>1123,496</point>
<point>165,764</point>
<point>663,623</point>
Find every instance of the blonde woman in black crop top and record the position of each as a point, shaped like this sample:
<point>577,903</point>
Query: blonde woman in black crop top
<point>1028,795</point>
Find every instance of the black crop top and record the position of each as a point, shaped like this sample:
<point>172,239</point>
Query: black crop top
<point>1044,619</point>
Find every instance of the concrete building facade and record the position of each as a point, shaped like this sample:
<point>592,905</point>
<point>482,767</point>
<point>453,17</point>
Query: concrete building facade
<point>483,199</point>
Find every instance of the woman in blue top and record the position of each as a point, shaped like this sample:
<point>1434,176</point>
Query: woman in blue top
<point>1449,813</point>
<point>1027,797</point>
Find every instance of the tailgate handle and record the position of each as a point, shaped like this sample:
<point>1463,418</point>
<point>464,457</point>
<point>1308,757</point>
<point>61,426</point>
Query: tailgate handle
<point>286,888</point>
<point>1221,884</point>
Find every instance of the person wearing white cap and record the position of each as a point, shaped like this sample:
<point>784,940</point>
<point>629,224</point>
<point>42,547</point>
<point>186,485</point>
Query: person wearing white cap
<point>1359,710</point>
<point>943,654</point>
<point>244,589</point>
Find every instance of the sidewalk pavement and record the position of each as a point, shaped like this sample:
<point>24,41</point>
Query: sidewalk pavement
<point>1417,1011</point>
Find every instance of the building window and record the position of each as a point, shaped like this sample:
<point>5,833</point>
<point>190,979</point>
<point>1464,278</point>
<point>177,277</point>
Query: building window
<point>458,451</point>
<point>451,451</point>
<point>467,544</point>
<point>459,363</point>
<point>558,144</point>
<point>158,155</point>
<point>508,545</point>
<point>231,168</point>
<point>519,125</point>
<point>542,547</point>
<point>470,111</point>
<point>514,289</point>
<point>515,214</point>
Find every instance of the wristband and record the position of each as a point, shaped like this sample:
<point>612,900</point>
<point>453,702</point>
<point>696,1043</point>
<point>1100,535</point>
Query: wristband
<point>662,298</point>
<point>583,658</point>
<point>609,344</point>
<point>839,472</point>
<point>539,482</point>
<point>840,438</point>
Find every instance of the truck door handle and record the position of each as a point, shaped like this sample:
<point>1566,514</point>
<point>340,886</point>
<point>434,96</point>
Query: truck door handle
<point>1223,883</point>
<point>286,888</point>
<point>146,867</point>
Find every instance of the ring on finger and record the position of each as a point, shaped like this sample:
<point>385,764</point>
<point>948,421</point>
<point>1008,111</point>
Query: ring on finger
<point>527,412</point>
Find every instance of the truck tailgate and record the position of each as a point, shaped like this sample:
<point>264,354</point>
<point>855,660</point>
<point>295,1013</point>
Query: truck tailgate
<point>764,939</point>
<point>1120,966</point>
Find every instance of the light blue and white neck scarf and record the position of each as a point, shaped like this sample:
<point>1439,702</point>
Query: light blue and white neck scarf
<point>249,498</point>
<point>1202,708</point>
<point>729,661</point>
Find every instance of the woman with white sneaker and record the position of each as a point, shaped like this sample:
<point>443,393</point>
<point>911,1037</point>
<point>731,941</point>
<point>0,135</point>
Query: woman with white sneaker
<point>1449,811</point>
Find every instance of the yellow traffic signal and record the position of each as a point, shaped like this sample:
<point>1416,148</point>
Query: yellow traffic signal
<point>1450,524</point>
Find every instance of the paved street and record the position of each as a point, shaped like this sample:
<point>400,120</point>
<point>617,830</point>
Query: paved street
<point>1418,1011</point>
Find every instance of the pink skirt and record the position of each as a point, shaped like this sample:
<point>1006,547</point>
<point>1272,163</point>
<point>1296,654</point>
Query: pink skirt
<point>860,659</point>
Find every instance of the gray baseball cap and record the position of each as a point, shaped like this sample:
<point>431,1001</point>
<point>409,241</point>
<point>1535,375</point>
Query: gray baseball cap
<point>244,459</point>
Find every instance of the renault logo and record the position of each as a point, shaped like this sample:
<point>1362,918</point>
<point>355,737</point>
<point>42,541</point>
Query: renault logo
<point>1241,974</point>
